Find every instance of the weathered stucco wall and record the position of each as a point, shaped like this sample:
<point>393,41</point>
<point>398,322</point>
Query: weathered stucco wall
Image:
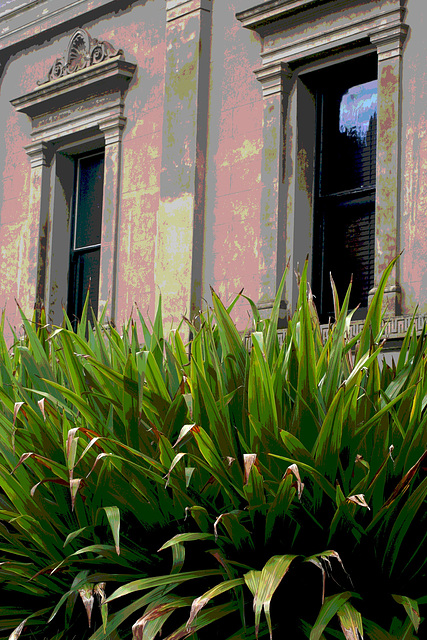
<point>232,256</point>
<point>193,163</point>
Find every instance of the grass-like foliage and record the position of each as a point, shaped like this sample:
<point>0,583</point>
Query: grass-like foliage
<point>213,490</point>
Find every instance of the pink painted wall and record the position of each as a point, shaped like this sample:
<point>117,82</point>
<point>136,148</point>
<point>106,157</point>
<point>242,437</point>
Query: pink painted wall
<point>231,260</point>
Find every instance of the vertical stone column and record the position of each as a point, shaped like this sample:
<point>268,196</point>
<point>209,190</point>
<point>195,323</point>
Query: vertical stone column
<point>180,223</point>
<point>40,154</point>
<point>389,43</point>
<point>113,131</point>
<point>276,85</point>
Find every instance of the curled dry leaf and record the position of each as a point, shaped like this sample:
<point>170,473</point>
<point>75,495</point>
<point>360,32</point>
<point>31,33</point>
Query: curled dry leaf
<point>186,429</point>
<point>17,632</point>
<point>201,601</point>
<point>16,408</point>
<point>322,562</point>
<point>359,498</point>
<point>55,480</point>
<point>86,594</point>
<point>216,523</point>
<point>249,459</point>
<point>41,406</point>
<point>97,459</point>
<point>152,614</point>
<point>70,438</point>
<point>293,469</point>
<point>40,459</point>
<point>198,604</point>
<point>99,590</point>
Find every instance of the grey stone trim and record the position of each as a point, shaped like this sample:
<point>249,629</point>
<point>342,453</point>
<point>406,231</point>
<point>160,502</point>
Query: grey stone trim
<point>394,329</point>
<point>340,30</point>
<point>176,9</point>
<point>82,52</point>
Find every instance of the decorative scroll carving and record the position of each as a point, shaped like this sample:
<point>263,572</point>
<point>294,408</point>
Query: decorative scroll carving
<point>83,51</point>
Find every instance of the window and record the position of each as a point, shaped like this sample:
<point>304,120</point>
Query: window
<point>307,204</point>
<point>77,109</point>
<point>344,202</point>
<point>86,229</point>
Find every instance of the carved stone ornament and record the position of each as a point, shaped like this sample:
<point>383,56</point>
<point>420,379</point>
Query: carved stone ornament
<point>83,51</point>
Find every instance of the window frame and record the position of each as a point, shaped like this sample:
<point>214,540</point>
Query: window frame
<point>73,111</point>
<point>298,37</point>
<point>76,296</point>
<point>326,203</point>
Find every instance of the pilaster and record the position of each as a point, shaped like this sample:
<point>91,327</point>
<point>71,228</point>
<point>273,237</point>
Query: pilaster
<point>40,154</point>
<point>180,223</point>
<point>113,133</point>
<point>276,84</point>
<point>389,43</point>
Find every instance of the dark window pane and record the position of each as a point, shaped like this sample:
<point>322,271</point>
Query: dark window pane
<point>90,184</point>
<point>84,277</point>
<point>348,239</point>
<point>86,224</point>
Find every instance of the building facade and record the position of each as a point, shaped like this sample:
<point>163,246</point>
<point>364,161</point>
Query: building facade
<point>162,147</point>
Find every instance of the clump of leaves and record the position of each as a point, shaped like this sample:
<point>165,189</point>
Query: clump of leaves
<point>223,488</point>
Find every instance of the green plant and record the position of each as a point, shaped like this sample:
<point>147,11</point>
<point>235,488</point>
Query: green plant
<point>287,481</point>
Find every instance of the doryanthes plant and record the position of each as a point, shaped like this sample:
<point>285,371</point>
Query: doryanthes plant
<point>228,488</point>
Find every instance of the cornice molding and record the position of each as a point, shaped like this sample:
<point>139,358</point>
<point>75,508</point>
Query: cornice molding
<point>179,8</point>
<point>36,17</point>
<point>80,93</point>
<point>306,28</point>
<point>111,75</point>
<point>273,10</point>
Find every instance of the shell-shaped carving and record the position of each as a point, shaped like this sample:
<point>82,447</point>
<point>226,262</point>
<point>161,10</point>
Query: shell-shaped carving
<point>83,51</point>
<point>78,51</point>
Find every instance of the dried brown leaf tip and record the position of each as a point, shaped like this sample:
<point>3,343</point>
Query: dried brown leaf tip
<point>86,594</point>
<point>154,613</point>
<point>249,460</point>
<point>16,409</point>
<point>186,429</point>
<point>41,404</point>
<point>359,498</point>
<point>293,469</point>
<point>17,632</point>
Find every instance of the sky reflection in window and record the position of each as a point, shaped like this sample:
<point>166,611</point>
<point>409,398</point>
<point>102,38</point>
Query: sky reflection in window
<point>358,106</point>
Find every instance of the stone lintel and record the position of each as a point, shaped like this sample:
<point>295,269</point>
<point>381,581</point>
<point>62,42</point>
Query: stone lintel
<point>257,17</point>
<point>271,10</point>
<point>112,75</point>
